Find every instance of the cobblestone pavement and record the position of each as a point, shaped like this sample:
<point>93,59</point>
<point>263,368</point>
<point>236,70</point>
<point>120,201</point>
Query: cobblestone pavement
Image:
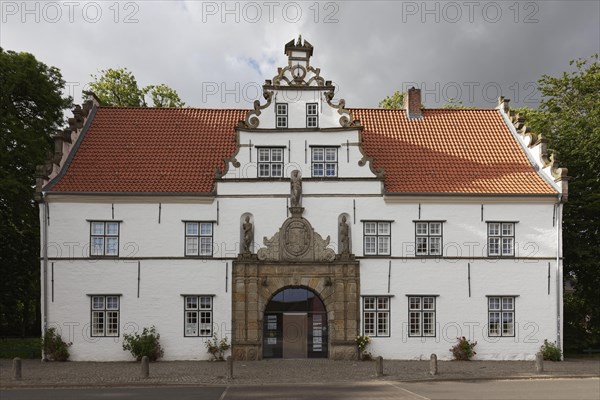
<point>57,374</point>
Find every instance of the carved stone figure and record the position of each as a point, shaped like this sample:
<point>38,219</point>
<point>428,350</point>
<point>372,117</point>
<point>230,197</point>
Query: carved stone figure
<point>296,189</point>
<point>344,237</point>
<point>248,236</point>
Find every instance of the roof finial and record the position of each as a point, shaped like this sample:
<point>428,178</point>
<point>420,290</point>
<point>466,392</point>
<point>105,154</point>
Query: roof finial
<point>299,40</point>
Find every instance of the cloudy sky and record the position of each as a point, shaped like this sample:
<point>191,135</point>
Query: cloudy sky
<point>217,54</point>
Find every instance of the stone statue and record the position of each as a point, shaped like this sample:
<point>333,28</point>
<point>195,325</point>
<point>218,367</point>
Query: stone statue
<point>296,189</point>
<point>344,237</point>
<point>248,236</point>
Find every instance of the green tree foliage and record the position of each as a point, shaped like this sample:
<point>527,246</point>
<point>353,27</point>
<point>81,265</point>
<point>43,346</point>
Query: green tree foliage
<point>569,117</point>
<point>118,87</point>
<point>31,110</point>
<point>457,105</point>
<point>394,101</point>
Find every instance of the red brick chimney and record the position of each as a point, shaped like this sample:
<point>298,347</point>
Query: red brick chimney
<point>412,103</point>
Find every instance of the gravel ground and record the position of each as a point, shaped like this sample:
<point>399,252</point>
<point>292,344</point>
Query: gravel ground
<point>39,374</point>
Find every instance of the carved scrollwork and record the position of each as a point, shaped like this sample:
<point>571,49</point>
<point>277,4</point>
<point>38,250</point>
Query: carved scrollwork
<point>252,121</point>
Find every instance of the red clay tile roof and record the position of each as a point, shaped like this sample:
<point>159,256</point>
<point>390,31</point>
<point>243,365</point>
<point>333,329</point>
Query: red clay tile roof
<point>152,150</point>
<point>448,151</point>
<point>168,150</point>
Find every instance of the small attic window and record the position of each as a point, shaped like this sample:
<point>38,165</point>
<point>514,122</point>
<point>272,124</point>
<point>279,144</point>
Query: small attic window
<point>312,119</point>
<point>281,117</point>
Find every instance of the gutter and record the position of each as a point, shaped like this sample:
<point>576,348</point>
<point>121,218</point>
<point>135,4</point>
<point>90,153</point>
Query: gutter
<point>559,288</point>
<point>44,269</point>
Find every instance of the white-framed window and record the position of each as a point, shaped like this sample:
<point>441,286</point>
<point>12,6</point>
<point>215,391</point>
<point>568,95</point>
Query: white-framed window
<point>104,238</point>
<point>270,162</point>
<point>312,115</point>
<point>421,316</point>
<point>428,238</point>
<point>376,316</point>
<point>105,315</point>
<point>501,239</point>
<point>281,115</point>
<point>198,315</point>
<point>501,316</point>
<point>377,238</point>
<point>324,161</point>
<point>198,238</point>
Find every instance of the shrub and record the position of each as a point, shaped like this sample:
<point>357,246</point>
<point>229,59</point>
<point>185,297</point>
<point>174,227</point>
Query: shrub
<point>54,347</point>
<point>217,348</point>
<point>550,351</point>
<point>363,342</point>
<point>463,350</point>
<point>146,344</point>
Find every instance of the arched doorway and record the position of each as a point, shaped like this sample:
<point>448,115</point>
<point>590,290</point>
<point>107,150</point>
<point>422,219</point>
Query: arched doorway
<point>295,325</point>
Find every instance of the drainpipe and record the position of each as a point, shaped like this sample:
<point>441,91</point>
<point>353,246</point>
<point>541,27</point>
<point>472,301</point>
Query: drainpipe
<point>43,294</point>
<point>559,273</point>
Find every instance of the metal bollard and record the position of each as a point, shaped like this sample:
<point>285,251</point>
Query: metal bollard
<point>229,367</point>
<point>145,367</point>
<point>539,363</point>
<point>433,365</point>
<point>379,366</point>
<point>17,368</point>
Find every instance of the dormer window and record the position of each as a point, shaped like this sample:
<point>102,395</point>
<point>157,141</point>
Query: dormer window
<point>281,117</point>
<point>312,119</point>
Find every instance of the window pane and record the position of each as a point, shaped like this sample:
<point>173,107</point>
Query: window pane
<point>263,170</point>
<point>276,170</point>
<point>112,228</point>
<point>276,155</point>
<point>507,324</point>
<point>494,229</point>
<point>281,122</point>
<point>507,246</point>
<point>191,246</point>
<point>263,155</point>
<point>415,303</point>
<point>98,323</point>
<point>384,228</point>
<point>97,246</point>
<point>318,154</point>
<point>112,302</point>
<point>428,323</point>
<point>494,303</point>
<point>384,245</point>
<point>205,246</point>
<point>382,323</point>
<point>435,245</point>
<point>330,169</point>
<point>369,303</point>
<point>507,303</point>
<point>98,302</point>
<point>191,228</point>
<point>494,328</point>
<point>206,229</point>
<point>421,228</point>
<point>415,323</point>
<point>369,323</point>
<point>112,246</point>
<point>370,228</point>
<point>435,228</point>
<point>112,323</point>
<point>428,303</point>
<point>311,122</point>
<point>370,243</point>
<point>318,170</point>
<point>507,229</point>
<point>191,323</point>
<point>205,302</point>
<point>383,303</point>
<point>205,323</point>
<point>281,109</point>
<point>97,228</point>
<point>494,246</point>
<point>330,154</point>
<point>191,302</point>
<point>422,245</point>
<point>311,109</point>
